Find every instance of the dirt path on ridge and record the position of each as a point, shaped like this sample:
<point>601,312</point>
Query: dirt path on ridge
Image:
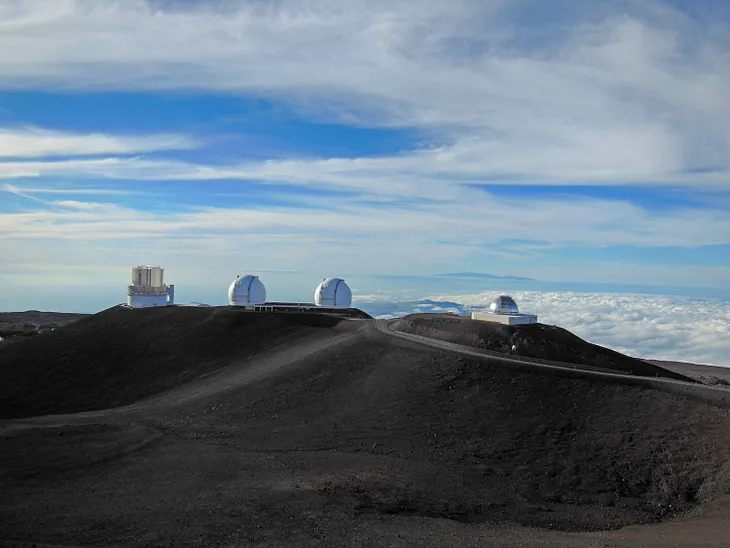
<point>252,369</point>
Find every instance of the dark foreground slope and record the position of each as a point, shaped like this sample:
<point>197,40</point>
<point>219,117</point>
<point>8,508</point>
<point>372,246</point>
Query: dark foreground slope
<point>122,355</point>
<point>543,342</point>
<point>370,441</point>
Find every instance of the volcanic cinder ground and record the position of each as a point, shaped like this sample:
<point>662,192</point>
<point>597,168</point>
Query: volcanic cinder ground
<point>213,426</point>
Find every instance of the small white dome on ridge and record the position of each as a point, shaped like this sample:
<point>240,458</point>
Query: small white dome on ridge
<point>245,290</point>
<point>504,304</point>
<point>333,293</point>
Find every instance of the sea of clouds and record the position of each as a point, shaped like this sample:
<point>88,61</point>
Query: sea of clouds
<point>660,327</point>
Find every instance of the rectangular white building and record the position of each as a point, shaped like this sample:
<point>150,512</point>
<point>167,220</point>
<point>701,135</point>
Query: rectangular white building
<point>148,288</point>
<point>504,310</point>
<point>505,319</point>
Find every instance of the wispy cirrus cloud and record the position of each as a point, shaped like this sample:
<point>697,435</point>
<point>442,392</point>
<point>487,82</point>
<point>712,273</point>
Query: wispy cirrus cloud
<point>39,143</point>
<point>583,222</point>
<point>75,204</point>
<point>27,191</point>
<point>433,170</point>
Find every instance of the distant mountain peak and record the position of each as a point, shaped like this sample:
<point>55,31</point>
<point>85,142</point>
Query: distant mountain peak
<point>483,276</point>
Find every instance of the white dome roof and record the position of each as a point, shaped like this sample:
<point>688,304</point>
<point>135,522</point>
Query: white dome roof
<point>246,289</point>
<point>504,304</point>
<point>333,293</point>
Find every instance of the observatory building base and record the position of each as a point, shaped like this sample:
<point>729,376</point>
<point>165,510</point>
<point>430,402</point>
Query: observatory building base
<point>148,288</point>
<point>505,319</point>
<point>147,301</point>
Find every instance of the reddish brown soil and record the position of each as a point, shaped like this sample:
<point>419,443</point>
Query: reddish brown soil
<point>538,341</point>
<point>372,441</point>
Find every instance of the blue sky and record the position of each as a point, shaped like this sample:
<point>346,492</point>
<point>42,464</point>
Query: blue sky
<point>584,145</point>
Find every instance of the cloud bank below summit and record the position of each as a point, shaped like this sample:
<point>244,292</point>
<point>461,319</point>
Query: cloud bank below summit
<point>646,326</point>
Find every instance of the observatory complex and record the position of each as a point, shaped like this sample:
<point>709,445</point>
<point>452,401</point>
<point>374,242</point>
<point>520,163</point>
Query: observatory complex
<point>333,295</point>
<point>248,292</point>
<point>148,288</point>
<point>504,310</point>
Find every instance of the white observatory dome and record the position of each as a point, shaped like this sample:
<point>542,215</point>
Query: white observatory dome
<point>245,290</point>
<point>333,293</point>
<point>504,304</point>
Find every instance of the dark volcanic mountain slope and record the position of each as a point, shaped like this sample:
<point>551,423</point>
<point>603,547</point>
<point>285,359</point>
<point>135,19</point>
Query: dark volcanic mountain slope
<point>121,355</point>
<point>368,434</point>
<point>432,434</point>
<point>543,342</point>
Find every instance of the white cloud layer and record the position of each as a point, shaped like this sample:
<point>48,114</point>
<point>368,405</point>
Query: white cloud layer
<point>463,222</point>
<point>602,93</point>
<point>645,326</point>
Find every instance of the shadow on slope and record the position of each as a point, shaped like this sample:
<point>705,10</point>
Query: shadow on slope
<point>431,434</point>
<point>537,341</point>
<point>122,355</point>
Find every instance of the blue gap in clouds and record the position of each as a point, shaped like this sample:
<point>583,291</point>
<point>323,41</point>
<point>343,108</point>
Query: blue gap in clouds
<point>238,128</point>
<point>175,196</point>
<point>246,194</point>
<point>171,195</point>
<point>650,198</point>
<point>12,203</point>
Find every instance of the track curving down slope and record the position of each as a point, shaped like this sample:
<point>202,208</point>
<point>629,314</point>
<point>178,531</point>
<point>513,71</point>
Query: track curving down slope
<point>677,384</point>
